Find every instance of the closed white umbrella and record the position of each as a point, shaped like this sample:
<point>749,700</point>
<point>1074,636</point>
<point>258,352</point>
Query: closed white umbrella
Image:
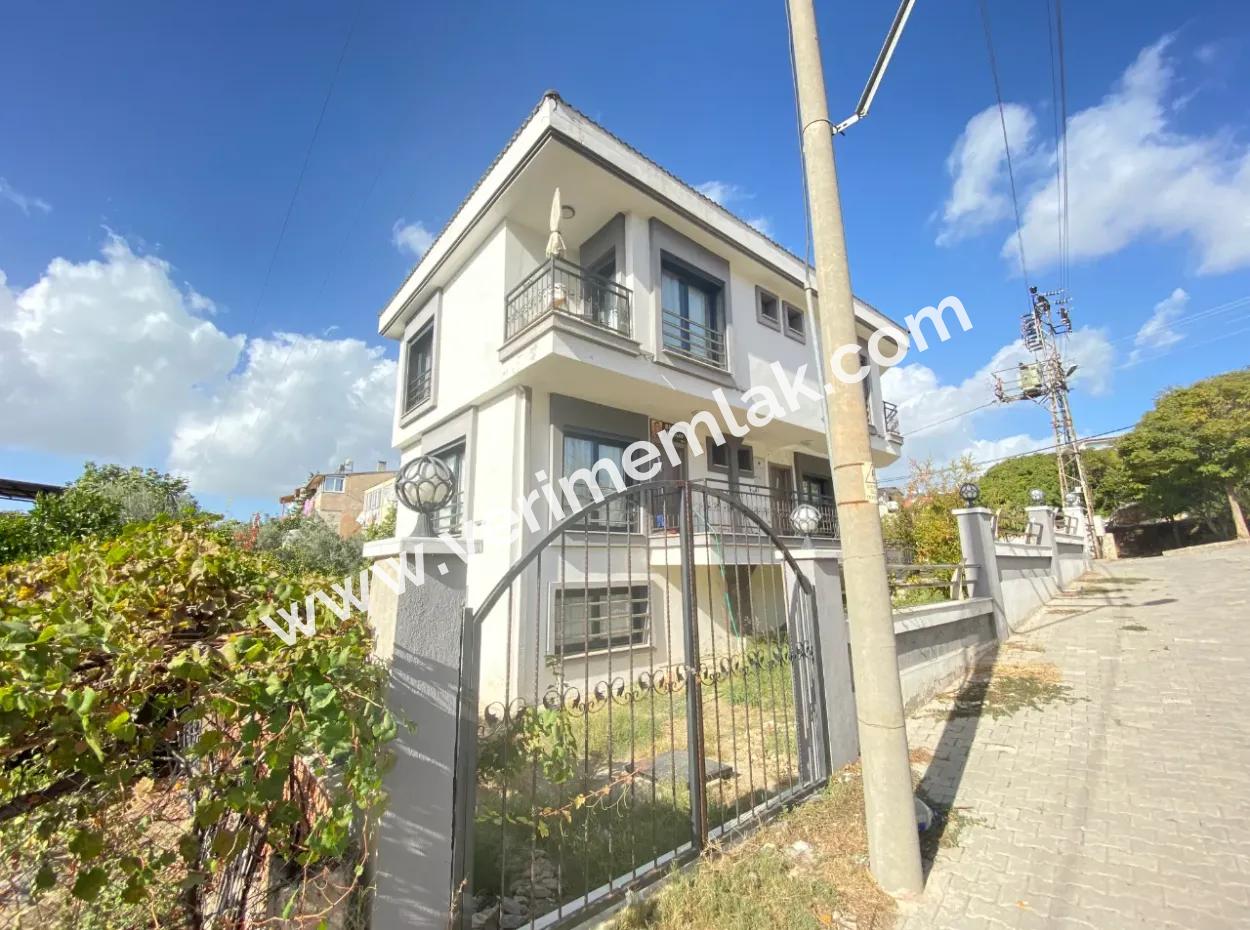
<point>555,242</point>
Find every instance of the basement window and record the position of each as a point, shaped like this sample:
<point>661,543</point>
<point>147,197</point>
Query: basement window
<point>599,618</point>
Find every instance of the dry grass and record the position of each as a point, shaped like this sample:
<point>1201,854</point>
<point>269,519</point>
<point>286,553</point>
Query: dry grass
<point>1135,628</point>
<point>1019,645</point>
<point>807,870</point>
<point>1005,688</point>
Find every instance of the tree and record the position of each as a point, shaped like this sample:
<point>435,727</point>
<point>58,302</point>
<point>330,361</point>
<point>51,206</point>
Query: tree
<point>925,526</point>
<point>309,544</point>
<point>1007,484</point>
<point>1191,452</point>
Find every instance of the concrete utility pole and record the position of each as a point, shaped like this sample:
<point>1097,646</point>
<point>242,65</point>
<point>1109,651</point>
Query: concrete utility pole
<point>893,843</point>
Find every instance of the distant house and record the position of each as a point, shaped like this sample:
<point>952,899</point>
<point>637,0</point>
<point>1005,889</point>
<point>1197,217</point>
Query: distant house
<point>379,499</point>
<point>338,497</point>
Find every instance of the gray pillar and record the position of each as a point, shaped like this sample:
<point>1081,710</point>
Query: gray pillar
<point>1042,524</point>
<point>976,542</point>
<point>841,735</point>
<point>413,865</point>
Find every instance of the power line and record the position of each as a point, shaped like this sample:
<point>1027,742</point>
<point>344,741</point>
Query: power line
<point>1002,119</point>
<point>299,182</point>
<point>952,417</point>
<point>1063,112</point>
<point>1054,116</point>
<point>1178,347</point>
<point>1017,455</point>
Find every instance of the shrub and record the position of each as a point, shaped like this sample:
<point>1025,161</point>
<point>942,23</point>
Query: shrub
<point>309,544</point>
<point>153,732</point>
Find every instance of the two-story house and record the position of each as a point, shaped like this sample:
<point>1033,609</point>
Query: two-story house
<point>517,368</point>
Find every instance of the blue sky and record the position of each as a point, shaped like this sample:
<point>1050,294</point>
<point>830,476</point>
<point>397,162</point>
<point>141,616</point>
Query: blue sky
<point>151,151</point>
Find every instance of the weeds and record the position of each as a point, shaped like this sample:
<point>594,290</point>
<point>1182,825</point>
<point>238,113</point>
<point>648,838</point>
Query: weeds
<point>807,870</point>
<point>1005,689</point>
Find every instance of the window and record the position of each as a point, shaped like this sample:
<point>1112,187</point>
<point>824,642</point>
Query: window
<point>419,383</point>
<point>692,321</point>
<point>796,323</point>
<point>333,484</point>
<point>767,309</point>
<point>380,496</point>
<point>718,459</point>
<point>599,618</point>
<point>815,489</point>
<point>449,519</point>
<point>583,452</point>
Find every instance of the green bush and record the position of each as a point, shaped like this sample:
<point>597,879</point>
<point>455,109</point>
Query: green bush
<point>309,544</point>
<point>152,729</point>
<point>98,503</point>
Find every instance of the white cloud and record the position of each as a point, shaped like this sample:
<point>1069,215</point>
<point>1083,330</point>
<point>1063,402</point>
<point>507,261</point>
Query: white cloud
<point>723,192</point>
<point>930,409</point>
<point>108,359</point>
<point>726,193</point>
<point>1132,175</point>
<point>980,195</point>
<point>761,224</point>
<point>1157,332</point>
<point>300,404</point>
<point>24,202</point>
<point>412,238</point>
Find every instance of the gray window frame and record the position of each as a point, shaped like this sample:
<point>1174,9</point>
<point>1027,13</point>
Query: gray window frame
<point>741,450</point>
<point>799,334</point>
<point>430,330</point>
<point>760,296</point>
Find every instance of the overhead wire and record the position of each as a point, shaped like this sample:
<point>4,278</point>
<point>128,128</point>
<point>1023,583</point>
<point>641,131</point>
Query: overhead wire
<point>290,208</point>
<point>1063,116</point>
<point>1054,114</point>
<point>1002,120</point>
<point>1018,455</point>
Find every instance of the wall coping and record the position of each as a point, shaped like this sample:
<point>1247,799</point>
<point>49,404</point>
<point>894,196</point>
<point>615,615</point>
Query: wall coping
<point>427,545</point>
<point>924,616</point>
<point>1022,549</point>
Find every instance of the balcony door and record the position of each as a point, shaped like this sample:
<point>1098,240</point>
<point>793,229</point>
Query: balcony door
<point>781,493</point>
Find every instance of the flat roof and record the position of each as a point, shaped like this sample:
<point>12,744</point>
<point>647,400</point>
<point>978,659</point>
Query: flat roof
<point>15,490</point>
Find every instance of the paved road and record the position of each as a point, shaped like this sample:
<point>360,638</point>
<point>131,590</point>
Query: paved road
<point>1128,803</point>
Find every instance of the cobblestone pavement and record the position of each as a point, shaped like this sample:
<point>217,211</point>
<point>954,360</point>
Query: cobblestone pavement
<point>1126,802</point>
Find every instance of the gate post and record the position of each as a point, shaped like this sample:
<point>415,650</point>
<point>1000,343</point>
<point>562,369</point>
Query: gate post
<point>980,553</point>
<point>694,684</point>
<point>419,635</point>
<point>840,740</point>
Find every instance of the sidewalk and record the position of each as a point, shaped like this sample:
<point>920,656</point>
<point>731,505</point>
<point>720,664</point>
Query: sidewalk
<point>1102,780</point>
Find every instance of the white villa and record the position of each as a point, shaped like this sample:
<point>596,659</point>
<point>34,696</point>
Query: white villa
<point>517,367</point>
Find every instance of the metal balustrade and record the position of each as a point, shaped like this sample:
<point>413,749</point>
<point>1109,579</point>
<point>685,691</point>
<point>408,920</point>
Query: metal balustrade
<point>891,419</point>
<point>559,286</point>
<point>694,340</point>
<point>772,506</point>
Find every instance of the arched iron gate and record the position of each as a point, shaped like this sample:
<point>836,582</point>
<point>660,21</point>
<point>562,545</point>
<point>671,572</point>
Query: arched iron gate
<point>645,680</point>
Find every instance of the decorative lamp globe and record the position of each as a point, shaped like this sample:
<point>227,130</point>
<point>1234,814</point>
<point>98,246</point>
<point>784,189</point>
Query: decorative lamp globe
<point>425,484</point>
<point>969,492</point>
<point>1073,498</point>
<point>805,518</point>
<point>1037,495</point>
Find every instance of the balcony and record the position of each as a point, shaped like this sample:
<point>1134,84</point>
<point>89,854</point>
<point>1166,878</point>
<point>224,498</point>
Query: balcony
<point>769,504</point>
<point>892,427</point>
<point>560,287</point>
<point>693,340</point>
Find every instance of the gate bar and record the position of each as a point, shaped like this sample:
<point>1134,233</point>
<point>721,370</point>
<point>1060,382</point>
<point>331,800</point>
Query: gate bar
<point>694,683</point>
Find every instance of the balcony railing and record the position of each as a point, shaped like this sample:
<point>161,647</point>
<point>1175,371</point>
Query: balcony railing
<point>693,340</point>
<point>771,505</point>
<point>558,286</point>
<point>891,419</point>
